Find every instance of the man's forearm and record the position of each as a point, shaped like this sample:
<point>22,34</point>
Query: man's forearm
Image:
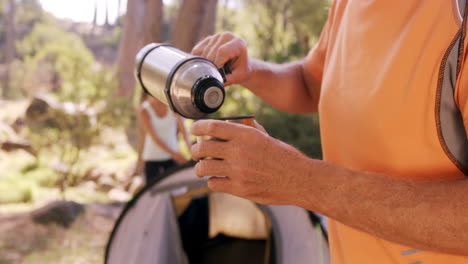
<point>428,216</point>
<point>284,86</point>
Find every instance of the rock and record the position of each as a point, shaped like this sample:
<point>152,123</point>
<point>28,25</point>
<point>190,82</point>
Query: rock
<point>63,213</point>
<point>40,107</point>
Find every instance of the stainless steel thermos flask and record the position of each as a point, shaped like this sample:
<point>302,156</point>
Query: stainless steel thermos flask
<point>192,86</point>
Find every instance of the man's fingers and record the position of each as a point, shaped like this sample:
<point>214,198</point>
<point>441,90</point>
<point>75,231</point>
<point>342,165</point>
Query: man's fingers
<point>209,46</point>
<point>259,127</point>
<point>218,184</point>
<point>198,49</point>
<point>221,40</point>
<point>213,48</point>
<point>212,168</point>
<point>218,129</point>
<point>229,50</point>
<point>209,148</point>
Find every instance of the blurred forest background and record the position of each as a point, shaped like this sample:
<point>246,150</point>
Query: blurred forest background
<point>68,125</point>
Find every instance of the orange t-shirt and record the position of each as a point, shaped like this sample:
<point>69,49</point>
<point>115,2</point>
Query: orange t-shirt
<point>378,62</point>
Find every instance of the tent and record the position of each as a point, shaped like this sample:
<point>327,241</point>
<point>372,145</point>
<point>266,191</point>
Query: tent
<point>178,220</point>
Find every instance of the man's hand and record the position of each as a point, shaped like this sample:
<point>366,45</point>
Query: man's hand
<point>256,166</point>
<point>224,47</point>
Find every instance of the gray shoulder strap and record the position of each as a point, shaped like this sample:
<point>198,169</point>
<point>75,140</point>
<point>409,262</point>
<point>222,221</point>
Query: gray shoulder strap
<point>449,119</point>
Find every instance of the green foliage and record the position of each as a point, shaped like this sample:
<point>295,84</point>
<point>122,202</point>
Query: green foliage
<point>53,60</point>
<point>15,189</point>
<point>301,131</point>
<point>62,56</point>
<point>309,16</point>
<point>15,194</point>
<point>29,12</point>
<point>43,176</point>
<point>284,29</point>
<point>64,133</point>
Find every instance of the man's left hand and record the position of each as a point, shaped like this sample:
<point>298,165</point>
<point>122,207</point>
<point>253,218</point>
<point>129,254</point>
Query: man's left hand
<point>249,163</point>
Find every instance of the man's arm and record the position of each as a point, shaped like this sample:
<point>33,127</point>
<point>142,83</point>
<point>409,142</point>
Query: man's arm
<point>287,87</point>
<point>428,216</point>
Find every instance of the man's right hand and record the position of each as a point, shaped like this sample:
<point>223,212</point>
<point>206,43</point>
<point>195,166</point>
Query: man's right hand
<point>289,87</point>
<point>224,47</point>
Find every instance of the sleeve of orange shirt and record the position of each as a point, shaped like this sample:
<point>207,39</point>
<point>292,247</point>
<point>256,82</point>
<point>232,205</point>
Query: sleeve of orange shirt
<point>315,60</point>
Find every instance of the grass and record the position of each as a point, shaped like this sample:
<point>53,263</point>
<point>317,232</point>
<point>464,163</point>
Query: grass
<point>26,182</point>
<point>26,242</point>
<point>31,185</point>
<point>83,243</point>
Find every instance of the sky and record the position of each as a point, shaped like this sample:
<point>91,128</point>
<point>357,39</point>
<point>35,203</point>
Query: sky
<point>83,10</point>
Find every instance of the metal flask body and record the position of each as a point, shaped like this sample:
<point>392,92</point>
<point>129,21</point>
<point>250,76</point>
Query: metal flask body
<point>192,86</point>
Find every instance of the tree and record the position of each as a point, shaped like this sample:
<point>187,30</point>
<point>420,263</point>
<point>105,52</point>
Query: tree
<point>94,17</point>
<point>195,21</point>
<point>142,25</point>
<point>106,20</point>
<point>152,33</point>
<point>286,29</point>
<point>131,41</point>
<point>153,21</point>
<point>9,45</point>
<point>119,6</point>
<point>208,20</point>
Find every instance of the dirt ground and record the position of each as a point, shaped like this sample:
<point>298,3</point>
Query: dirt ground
<point>23,241</point>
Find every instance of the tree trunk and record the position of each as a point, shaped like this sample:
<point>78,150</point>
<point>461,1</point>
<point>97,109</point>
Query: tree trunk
<point>9,46</point>
<point>208,23</point>
<point>119,9</point>
<point>94,17</point>
<point>130,43</point>
<point>153,21</point>
<point>196,20</point>
<point>106,21</point>
<point>142,25</point>
<point>152,33</point>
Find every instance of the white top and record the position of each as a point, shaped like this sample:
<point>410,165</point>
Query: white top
<point>166,129</point>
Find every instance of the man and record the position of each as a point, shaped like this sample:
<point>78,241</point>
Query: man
<point>390,77</point>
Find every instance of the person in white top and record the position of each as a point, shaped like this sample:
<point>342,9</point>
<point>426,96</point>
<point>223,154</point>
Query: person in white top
<point>161,148</point>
